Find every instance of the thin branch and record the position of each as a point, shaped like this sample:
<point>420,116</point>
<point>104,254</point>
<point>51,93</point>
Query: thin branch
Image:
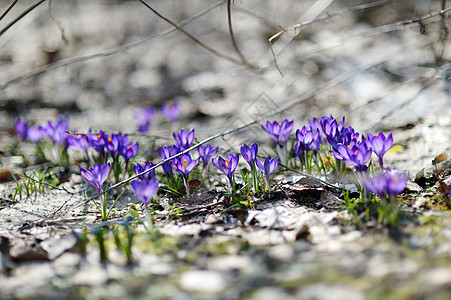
<point>193,38</point>
<point>244,61</point>
<point>77,59</point>
<point>8,9</point>
<point>444,34</point>
<point>422,21</point>
<point>398,108</point>
<point>58,23</point>
<point>23,14</point>
<point>328,16</point>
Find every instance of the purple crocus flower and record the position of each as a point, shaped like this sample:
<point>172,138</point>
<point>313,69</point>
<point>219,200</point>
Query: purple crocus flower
<point>307,140</point>
<point>165,153</point>
<point>330,126</point>
<point>129,151</point>
<point>279,131</point>
<point>145,189</point>
<point>267,168</point>
<point>57,132</point>
<point>380,145</point>
<point>357,155</point>
<point>171,111</point>
<point>144,118</point>
<point>316,125</point>
<point>347,136</point>
<point>79,142</point>
<point>227,165</point>
<point>249,154</point>
<point>184,139</point>
<point>388,183</point>
<point>96,175</point>
<point>35,133</point>
<point>141,168</point>
<point>113,144</point>
<point>206,153</point>
<point>97,142</point>
<point>184,165</point>
<point>21,128</point>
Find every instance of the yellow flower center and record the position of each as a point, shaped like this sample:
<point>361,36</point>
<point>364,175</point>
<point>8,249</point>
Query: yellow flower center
<point>184,163</point>
<point>110,139</point>
<point>356,151</point>
<point>227,162</point>
<point>99,136</point>
<point>79,136</point>
<point>129,147</point>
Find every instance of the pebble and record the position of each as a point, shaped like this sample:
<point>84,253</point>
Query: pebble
<point>202,281</point>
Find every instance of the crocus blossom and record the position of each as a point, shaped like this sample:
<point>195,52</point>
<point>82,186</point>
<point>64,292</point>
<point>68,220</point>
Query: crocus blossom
<point>356,156</point>
<point>380,144</point>
<point>249,154</point>
<point>96,175</point>
<point>388,183</point>
<point>165,153</point>
<point>279,131</point>
<point>145,189</point>
<point>171,111</point>
<point>206,153</point>
<point>21,128</point>
<point>184,165</point>
<point>57,132</point>
<point>184,139</point>
<point>267,167</point>
<point>330,126</point>
<point>141,168</point>
<point>307,141</point>
<point>144,118</point>
<point>227,165</point>
<point>129,151</point>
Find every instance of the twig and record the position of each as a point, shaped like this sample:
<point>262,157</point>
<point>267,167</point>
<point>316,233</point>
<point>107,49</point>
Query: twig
<point>423,20</point>
<point>23,14</point>
<point>8,9</point>
<point>444,33</point>
<point>193,38</point>
<point>232,36</point>
<point>403,104</point>
<point>77,59</point>
<point>58,23</point>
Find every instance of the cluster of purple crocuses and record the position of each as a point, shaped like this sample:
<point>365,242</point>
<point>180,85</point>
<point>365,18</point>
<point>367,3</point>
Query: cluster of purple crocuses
<point>329,135</point>
<point>144,118</point>
<point>113,145</point>
<point>54,131</point>
<point>323,136</point>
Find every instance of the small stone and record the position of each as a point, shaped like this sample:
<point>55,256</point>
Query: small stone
<point>271,293</point>
<point>325,292</point>
<point>281,252</point>
<point>202,281</point>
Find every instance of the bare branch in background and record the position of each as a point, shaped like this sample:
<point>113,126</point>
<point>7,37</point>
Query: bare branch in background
<point>193,38</point>
<point>244,61</point>
<point>23,14</point>
<point>8,9</point>
<point>58,23</point>
<point>78,59</point>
